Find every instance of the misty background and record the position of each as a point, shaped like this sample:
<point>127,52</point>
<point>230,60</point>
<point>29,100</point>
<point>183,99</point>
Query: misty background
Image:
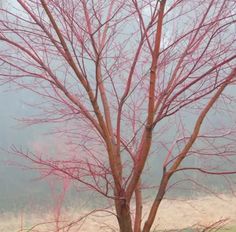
<point>21,188</point>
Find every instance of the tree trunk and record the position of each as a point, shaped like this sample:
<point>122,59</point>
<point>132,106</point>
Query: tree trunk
<point>124,218</point>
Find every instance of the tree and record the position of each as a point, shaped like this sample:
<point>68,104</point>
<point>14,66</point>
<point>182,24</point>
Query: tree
<point>122,77</point>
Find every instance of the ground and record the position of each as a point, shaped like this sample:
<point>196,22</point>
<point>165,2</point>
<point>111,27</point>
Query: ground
<point>174,215</point>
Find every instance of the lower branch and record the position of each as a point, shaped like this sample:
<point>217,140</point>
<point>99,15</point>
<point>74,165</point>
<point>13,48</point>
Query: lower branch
<point>138,208</point>
<point>160,194</point>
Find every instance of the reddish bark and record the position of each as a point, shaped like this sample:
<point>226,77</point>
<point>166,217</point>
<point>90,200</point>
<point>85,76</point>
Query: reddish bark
<point>116,75</point>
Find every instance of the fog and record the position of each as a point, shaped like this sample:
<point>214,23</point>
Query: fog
<point>21,188</point>
<point>17,186</point>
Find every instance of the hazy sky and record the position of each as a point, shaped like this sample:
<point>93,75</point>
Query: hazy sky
<point>17,184</point>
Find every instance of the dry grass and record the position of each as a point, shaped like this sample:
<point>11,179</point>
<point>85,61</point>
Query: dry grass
<point>173,214</point>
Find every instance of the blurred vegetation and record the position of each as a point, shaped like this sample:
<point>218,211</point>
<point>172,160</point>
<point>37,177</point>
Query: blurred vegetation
<point>223,229</point>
